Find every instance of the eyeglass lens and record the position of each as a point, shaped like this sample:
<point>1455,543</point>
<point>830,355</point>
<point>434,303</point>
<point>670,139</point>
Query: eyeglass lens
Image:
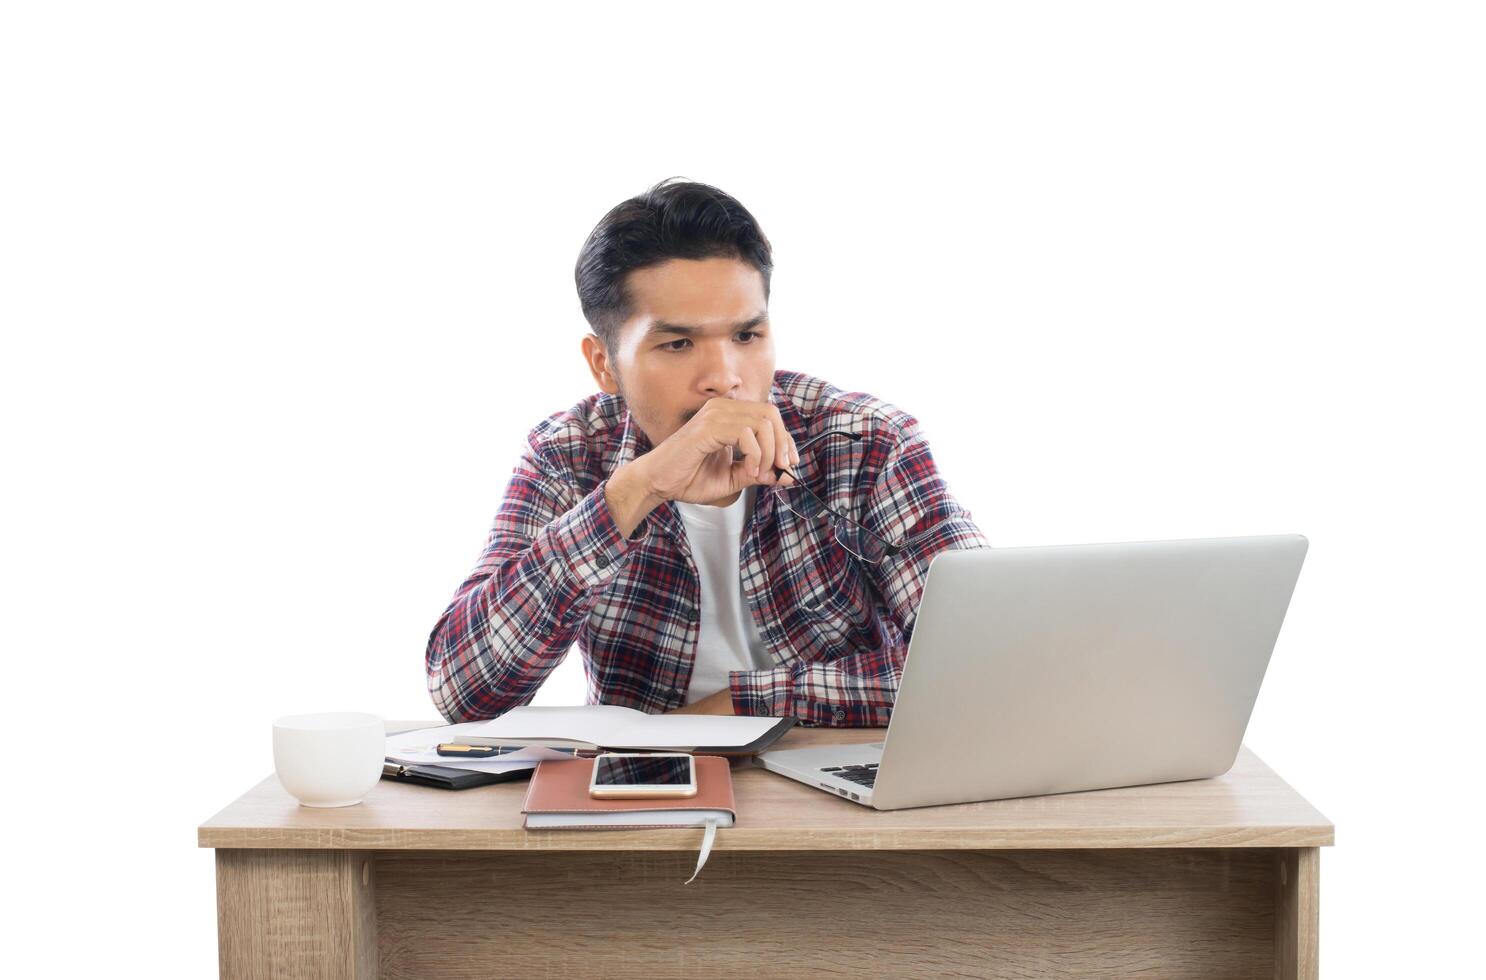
<point>849,534</point>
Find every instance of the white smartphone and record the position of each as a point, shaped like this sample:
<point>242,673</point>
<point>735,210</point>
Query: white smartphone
<point>643,775</point>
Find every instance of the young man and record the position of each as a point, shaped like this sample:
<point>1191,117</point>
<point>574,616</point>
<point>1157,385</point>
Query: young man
<point>717,536</point>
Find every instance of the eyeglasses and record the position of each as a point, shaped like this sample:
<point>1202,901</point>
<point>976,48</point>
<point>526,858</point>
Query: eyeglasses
<point>867,545</point>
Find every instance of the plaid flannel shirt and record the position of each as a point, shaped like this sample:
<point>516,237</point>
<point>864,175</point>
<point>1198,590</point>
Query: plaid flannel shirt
<point>556,570</point>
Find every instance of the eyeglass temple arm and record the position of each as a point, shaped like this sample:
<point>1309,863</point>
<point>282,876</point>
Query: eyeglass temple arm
<point>800,446</point>
<point>888,547</point>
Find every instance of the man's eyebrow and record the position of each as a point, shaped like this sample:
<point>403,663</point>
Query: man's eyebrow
<point>661,326</point>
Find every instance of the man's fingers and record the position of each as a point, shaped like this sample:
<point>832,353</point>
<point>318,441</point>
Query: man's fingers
<point>785,455</point>
<point>753,454</point>
<point>784,446</point>
<point>762,439</point>
<point>765,433</point>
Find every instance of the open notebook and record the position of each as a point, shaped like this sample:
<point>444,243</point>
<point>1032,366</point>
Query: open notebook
<point>620,729</point>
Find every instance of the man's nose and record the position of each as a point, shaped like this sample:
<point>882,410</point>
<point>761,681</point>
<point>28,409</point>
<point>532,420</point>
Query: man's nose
<point>719,375</point>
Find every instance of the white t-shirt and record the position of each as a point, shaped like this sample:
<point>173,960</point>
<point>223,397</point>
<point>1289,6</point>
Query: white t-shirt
<point>728,640</point>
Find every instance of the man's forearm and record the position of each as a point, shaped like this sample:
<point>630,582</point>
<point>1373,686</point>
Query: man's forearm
<point>629,498</point>
<point>719,703</point>
<point>516,615</point>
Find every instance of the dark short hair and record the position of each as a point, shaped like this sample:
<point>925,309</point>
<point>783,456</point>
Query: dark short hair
<point>675,219</point>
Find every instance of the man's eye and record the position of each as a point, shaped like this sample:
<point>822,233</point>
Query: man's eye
<point>748,336</point>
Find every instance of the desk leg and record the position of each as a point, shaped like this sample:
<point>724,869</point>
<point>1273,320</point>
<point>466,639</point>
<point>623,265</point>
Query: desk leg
<point>296,913</point>
<point>1297,913</point>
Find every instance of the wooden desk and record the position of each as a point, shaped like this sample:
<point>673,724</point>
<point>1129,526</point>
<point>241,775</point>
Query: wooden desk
<point>1209,878</point>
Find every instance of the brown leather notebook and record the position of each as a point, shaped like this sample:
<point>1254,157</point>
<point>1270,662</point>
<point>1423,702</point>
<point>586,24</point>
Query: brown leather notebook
<point>558,797</point>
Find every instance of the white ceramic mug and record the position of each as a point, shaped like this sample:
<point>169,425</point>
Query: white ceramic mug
<point>329,759</point>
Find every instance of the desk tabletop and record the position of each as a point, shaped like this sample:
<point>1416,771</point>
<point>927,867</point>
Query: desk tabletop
<point>1249,806</point>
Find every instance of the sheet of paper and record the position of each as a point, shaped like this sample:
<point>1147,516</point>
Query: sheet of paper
<point>596,723</point>
<point>609,724</point>
<point>421,748</point>
<point>720,730</point>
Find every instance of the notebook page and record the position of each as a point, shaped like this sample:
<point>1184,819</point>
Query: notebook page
<point>623,818</point>
<point>601,724</point>
<point>610,724</point>
<point>704,730</point>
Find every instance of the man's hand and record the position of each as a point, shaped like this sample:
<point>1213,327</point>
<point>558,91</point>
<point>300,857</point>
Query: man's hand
<point>720,703</point>
<point>696,464</point>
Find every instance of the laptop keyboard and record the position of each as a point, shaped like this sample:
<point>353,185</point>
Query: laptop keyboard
<point>861,775</point>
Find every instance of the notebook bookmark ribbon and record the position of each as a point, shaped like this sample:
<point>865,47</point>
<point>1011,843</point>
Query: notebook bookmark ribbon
<point>707,840</point>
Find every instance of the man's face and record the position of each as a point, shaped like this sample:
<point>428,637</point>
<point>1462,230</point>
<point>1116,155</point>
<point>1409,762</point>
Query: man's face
<point>699,331</point>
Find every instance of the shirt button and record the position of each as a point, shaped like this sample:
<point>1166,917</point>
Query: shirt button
<point>602,561</point>
<point>840,715</point>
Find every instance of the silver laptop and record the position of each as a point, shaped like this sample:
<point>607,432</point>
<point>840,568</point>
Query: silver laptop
<point>1059,669</point>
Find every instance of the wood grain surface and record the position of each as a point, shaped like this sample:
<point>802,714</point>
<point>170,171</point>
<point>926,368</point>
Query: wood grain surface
<point>296,914</point>
<point>1249,806</point>
<point>1298,914</point>
<point>1007,914</point>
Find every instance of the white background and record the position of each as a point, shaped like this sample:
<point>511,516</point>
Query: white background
<point>284,285</point>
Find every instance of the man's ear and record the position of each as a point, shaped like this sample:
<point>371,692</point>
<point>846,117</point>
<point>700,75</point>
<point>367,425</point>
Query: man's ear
<point>597,357</point>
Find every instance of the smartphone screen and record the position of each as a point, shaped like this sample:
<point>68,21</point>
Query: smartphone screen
<point>642,771</point>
